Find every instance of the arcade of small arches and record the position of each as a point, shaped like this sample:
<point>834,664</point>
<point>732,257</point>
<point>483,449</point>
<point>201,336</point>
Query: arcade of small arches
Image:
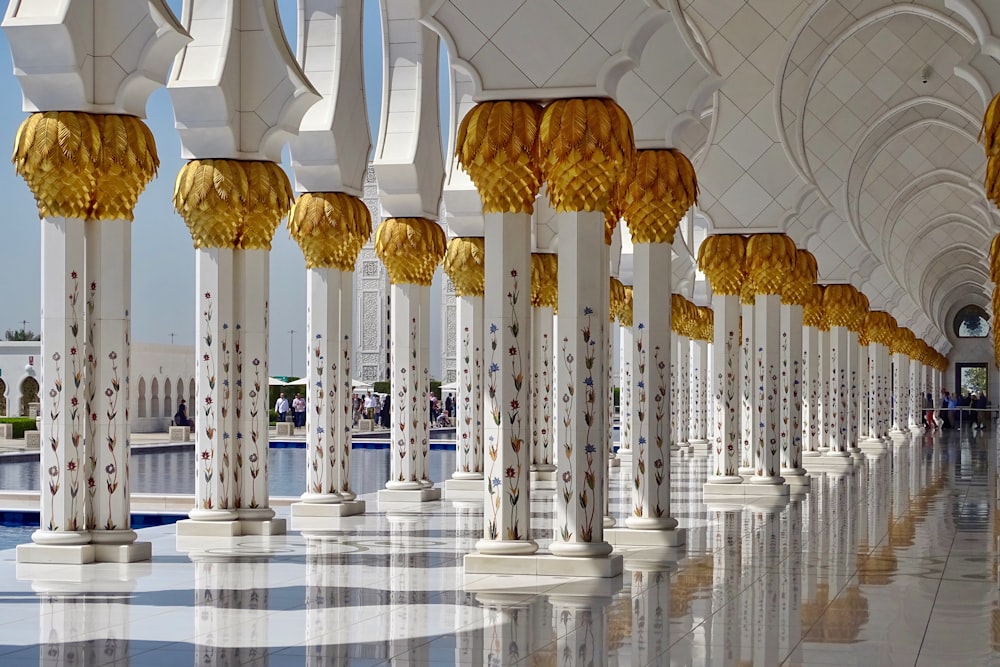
<point>563,204</point>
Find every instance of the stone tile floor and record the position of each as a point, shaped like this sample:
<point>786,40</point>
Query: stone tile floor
<point>895,564</point>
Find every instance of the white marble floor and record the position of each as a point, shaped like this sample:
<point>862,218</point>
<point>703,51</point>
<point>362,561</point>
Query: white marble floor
<point>895,564</point>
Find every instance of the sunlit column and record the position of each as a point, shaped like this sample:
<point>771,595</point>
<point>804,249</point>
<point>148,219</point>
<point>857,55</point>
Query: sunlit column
<point>838,301</point>
<point>812,353</point>
<point>544,300</point>
<point>625,399</point>
<point>825,413</point>
<point>748,373</point>
<point>900,374</point>
<point>698,430</point>
<point>795,291</point>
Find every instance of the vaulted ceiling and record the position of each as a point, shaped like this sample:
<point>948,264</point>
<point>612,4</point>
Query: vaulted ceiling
<point>851,125</point>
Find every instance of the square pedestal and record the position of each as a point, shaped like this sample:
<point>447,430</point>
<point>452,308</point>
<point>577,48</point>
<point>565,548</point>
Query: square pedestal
<point>327,510</point>
<point>192,528</point>
<point>624,456</point>
<point>835,464</point>
<point>614,462</point>
<point>798,481</point>
<point>464,489</point>
<point>700,446</point>
<point>543,480</point>
<point>746,490</point>
<point>77,554</point>
<point>285,429</point>
<point>629,537</point>
<point>409,496</point>
<point>545,565</point>
<point>272,527</point>
<point>123,553</point>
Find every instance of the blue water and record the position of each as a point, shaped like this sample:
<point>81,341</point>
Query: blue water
<point>172,470</point>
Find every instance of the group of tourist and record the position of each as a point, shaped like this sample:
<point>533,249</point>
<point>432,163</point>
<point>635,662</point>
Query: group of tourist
<point>956,410</point>
<point>298,409</point>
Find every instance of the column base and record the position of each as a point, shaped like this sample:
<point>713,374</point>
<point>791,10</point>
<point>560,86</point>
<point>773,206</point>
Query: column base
<point>831,464</point>
<point>609,521</point>
<point>613,462</point>
<point>194,528</point>
<point>872,445</point>
<point>917,430</point>
<point>543,480</point>
<point>809,454</point>
<point>625,456</point>
<point>720,488</point>
<point>745,490</point>
<point>69,554</point>
<point>631,537</point>
<point>797,479</point>
<point>463,489</point>
<point>698,446</point>
<point>327,510</point>
<point>899,436</point>
<point>134,552</point>
<point>546,565</point>
<point>421,495</point>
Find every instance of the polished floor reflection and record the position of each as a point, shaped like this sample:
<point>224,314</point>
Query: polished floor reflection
<point>895,564</point>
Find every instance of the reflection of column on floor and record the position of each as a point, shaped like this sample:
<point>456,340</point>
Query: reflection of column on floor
<point>327,599</point>
<point>544,301</point>
<point>812,410</point>
<point>464,263</point>
<point>508,626</point>
<point>468,529</point>
<point>625,345</point>
<point>789,641</point>
<point>250,590</point>
<point>688,585</point>
<point>330,228</point>
<point>215,585</point>
<point>767,585</point>
<point>721,259</point>
<point>407,621</point>
<point>411,249</point>
<point>581,628</point>
<point>748,574</point>
<point>724,649</point>
<point>648,614</point>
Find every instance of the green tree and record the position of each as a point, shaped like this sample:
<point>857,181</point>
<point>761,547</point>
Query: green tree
<point>21,334</point>
<point>974,379</point>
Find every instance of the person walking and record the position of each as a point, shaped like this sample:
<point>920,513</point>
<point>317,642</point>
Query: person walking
<point>281,407</point>
<point>299,408</point>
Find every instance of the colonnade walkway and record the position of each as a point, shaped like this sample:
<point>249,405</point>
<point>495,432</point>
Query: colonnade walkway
<point>894,563</point>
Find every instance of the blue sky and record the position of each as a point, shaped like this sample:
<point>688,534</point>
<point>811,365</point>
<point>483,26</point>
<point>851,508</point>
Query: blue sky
<point>162,253</point>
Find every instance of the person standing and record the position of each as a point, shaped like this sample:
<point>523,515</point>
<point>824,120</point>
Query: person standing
<point>281,407</point>
<point>449,406</point>
<point>369,406</point>
<point>299,408</point>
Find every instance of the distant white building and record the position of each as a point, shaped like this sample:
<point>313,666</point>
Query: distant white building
<point>159,376</point>
<point>371,300</point>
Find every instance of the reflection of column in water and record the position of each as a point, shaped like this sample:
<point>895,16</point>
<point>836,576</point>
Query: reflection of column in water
<point>507,627</point>
<point>724,650</point>
<point>838,533</point>
<point>900,478</point>
<point>407,640</point>
<point>326,591</point>
<point>791,582</point>
<point>766,586</point>
<point>581,629</point>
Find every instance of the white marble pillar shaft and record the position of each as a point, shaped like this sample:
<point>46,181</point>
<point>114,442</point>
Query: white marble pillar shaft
<point>874,391</point>
<point>109,298</point>
<point>469,408</point>
<point>63,456</point>
<point>791,390</point>
<point>626,344</point>
<point>582,345</point>
<point>811,392</point>
<point>323,371</point>
<point>727,389</point>
<point>698,430</point>
<point>651,388</point>
<point>826,395</point>
<point>424,379</point>
<point>684,389</point>
<point>900,371</point>
<point>840,397</point>
<point>213,410</point>
<point>343,400</point>
<point>853,377</point>
<point>866,394</point>
<point>507,402</point>
<point>913,394</point>
<point>405,407</point>
<point>542,425</point>
<point>251,284</point>
<point>747,416</point>
<point>767,390</point>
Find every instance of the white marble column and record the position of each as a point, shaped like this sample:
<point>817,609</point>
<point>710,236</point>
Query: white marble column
<point>325,372</point>
<point>507,401</point>
<point>581,413</point>
<point>698,436</point>
<point>109,298</point>
<point>727,387</point>
<point>469,412</point>
<point>914,388</point>
<point>866,393</point>
<point>651,356</point>
<point>825,413</point>
<point>405,407</point>
<point>213,410</point>
<point>543,456</point>
<point>853,381</point>
<point>684,389</point>
<point>342,401</point>
<point>251,282</point>
<point>811,392</point>
<point>900,373</point>
<point>839,381</point>
<point>791,394</point>
<point>423,374</point>
<point>625,401</point>
<point>63,457</point>
<point>747,416</point>
<point>875,393</point>
<point>767,394</point>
